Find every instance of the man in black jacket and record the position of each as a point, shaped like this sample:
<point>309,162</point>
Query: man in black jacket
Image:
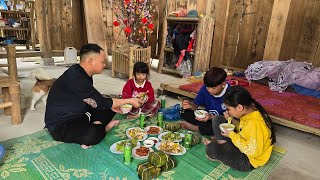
<point>76,112</point>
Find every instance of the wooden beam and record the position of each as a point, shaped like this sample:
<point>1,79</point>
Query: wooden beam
<point>277,29</point>
<point>162,15</point>
<point>94,22</point>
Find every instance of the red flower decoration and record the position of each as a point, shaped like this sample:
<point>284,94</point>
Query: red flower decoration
<point>150,26</point>
<point>116,23</point>
<point>127,30</point>
<point>125,21</point>
<point>140,1</point>
<point>126,1</point>
<point>144,20</point>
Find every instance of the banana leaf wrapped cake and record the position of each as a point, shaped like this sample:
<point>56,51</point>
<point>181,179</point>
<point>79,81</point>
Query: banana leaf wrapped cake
<point>158,158</point>
<point>169,165</point>
<point>147,171</point>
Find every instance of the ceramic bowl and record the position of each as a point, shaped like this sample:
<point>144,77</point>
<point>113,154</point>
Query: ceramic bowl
<point>154,139</point>
<point>126,108</point>
<point>225,127</point>
<point>148,143</point>
<point>200,113</point>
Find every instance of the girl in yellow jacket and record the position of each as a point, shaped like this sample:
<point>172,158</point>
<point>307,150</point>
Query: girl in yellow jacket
<point>249,148</point>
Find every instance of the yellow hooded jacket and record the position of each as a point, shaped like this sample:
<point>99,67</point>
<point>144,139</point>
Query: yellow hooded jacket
<point>254,139</point>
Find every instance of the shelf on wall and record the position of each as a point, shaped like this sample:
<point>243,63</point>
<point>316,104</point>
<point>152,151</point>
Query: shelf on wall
<point>187,19</point>
<point>14,29</point>
<point>14,12</point>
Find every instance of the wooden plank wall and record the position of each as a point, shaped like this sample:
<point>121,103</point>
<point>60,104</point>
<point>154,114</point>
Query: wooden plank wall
<point>241,31</point>
<point>302,38</point>
<point>67,24</point>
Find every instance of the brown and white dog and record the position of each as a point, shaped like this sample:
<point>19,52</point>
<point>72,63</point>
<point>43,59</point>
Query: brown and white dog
<point>41,89</point>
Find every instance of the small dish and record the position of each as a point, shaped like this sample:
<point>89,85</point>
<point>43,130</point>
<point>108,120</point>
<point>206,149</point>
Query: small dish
<point>154,139</point>
<point>148,143</point>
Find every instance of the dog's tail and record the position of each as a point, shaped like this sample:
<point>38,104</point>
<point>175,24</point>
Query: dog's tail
<point>40,74</point>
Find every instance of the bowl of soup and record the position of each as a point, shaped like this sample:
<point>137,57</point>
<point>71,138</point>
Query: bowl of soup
<point>226,127</point>
<point>126,108</point>
<point>200,113</point>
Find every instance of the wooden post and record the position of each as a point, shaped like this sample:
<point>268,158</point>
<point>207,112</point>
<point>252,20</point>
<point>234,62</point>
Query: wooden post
<point>131,63</point>
<point>96,30</point>
<point>162,16</point>
<point>276,31</point>
<point>163,44</point>
<point>11,56</point>
<point>43,26</point>
<point>14,92</point>
<point>32,25</point>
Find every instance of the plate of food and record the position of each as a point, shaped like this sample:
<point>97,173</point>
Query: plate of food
<point>171,148</point>
<point>118,147</point>
<point>136,132</point>
<point>153,130</point>
<point>171,136</point>
<point>141,152</point>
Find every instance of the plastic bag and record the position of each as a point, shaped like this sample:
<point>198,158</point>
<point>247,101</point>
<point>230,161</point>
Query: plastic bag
<point>171,113</point>
<point>185,68</point>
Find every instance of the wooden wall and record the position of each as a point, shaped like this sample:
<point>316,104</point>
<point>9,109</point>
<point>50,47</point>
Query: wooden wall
<point>245,31</point>
<point>67,24</point>
<point>300,37</point>
<point>241,31</point>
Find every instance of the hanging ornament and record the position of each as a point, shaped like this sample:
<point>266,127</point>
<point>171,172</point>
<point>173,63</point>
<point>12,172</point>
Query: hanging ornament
<point>144,20</point>
<point>150,26</point>
<point>127,30</point>
<point>116,23</point>
<point>126,1</point>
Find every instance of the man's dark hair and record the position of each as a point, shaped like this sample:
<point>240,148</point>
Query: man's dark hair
<point>214,76</point>
<point>140,67</point>
<point>89,48</point>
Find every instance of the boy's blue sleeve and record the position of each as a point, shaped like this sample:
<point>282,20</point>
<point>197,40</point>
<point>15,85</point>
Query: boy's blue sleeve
<point>199,100</point>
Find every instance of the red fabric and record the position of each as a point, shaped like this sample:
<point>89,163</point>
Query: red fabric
<point>183,52</point>
<point>130,90</point>
<point>190,45</point>
<point>287,105</point>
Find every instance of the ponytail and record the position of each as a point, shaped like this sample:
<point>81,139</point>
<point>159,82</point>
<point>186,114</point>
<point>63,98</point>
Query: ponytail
<point>267,120</point>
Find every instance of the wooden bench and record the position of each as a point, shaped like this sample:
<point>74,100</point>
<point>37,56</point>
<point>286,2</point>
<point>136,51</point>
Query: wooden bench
<point>10,87</point>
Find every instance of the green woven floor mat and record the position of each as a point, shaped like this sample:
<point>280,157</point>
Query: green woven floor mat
<point>38,156</point>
